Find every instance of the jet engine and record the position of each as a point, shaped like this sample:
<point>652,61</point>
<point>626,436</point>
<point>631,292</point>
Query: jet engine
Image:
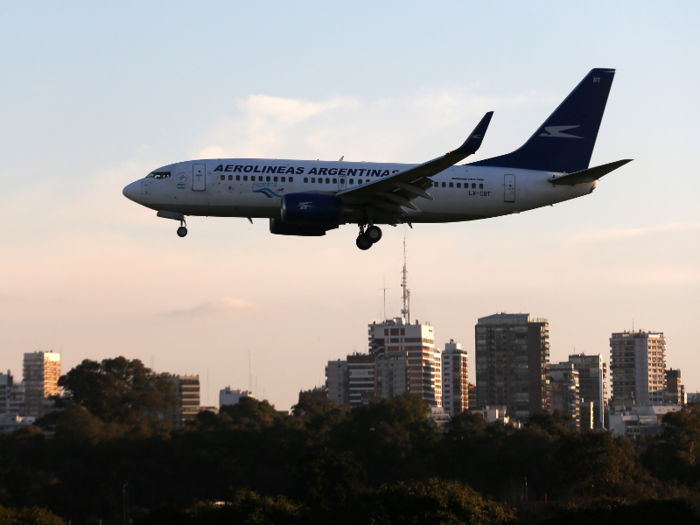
<point>310,208</point>
<point>279,227</point>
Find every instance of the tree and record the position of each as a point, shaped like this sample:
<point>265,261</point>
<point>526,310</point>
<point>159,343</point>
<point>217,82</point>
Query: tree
<point>675,454</point>
<point>430,501</point>
<point>330,480</point>
<point>120,391</point>
<point>28,516</point>
<point>596,464</point>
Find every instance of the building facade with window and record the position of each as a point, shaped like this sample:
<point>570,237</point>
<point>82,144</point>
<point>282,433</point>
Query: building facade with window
<point>11,396</point>
<point>638,367</point>
<point>592,377</point>
<point>415,342</point>
<point>564,383</point>
<point>337,382</point>
<point>675,391</point>
<point>361,371</point>
<point>455,379</point>
<point>188,392</point>
<point>227,396</point>
<point>41,372</point>
<point>512,364</point>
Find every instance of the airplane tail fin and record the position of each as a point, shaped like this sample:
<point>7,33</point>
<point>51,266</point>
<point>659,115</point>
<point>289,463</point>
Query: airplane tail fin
<point>564,143</point>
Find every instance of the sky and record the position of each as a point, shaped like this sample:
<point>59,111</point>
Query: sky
<point>97,95</point>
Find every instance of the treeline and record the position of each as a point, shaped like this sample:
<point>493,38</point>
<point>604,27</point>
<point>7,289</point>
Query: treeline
<point>380,463</point>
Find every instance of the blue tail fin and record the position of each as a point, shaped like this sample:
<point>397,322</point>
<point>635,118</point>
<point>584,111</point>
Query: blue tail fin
<point>564,143</point>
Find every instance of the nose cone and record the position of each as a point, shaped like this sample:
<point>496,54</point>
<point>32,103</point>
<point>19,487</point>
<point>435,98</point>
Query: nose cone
<point>133,191</point>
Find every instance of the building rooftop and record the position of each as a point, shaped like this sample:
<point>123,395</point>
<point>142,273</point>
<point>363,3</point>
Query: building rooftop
<point>504,318</point>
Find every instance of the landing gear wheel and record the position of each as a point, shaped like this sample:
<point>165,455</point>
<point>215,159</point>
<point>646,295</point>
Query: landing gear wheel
<point>363,242</point>
<point>182,231</point>
<point>374,234</point>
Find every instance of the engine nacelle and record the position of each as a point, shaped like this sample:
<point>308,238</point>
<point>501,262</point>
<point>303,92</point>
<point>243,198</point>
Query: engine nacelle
<point>310,208</point>
<point>279,227</point>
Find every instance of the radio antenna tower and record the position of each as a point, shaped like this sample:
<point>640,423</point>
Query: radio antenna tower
<point>406,295</point>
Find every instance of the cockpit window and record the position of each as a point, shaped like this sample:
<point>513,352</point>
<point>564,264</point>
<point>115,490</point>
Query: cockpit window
<point>158,175</point>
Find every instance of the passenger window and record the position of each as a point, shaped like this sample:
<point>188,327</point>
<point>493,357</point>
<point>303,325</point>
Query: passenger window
<point>359,181</point>
<point>267,178</point>
<point>328,181</point>
<point>291,179</point>
<point>306,179</point>
<point>335,181</point>
<point>481,186</point>
<point>283,178</point>
<point>473,185</point>
<point>452,185</point>
<point>245,177</point>
<point>230,177</point>
<point>238,177</point>
<point>459,185</point>
<point>436,184</point>
<point>274,179</point>
<point>223,177</point>
<point>313,179</point>
<point>443,184</point>
<point>351,181</point>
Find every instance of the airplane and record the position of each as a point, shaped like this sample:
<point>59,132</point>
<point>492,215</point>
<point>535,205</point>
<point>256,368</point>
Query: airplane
<point>311,197</point>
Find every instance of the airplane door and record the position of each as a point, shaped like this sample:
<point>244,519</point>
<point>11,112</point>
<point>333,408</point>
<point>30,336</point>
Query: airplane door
<point>509,188</point>
<point>199,177</point>
<point>341,183</point>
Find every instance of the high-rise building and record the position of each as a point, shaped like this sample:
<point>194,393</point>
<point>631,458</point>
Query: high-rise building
<point>415,342</point>
<point>41,373</point>
<point>674,390</point>
<point>337,382</point>
<point>455,380</point>
<point>592,375</point>
<point>361,369</point>
<point>473,405</point>
<point>638,367</point>
<point>231,397</point>
<point>564,382</point>
<point>188,394</point>
<point>361,378</point>
<point>391,376</point>
<point>512,364</point>
<point>11,396</point>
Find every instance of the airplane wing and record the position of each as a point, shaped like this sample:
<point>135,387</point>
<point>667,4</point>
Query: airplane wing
<point>389,194</point>
<point>589,175</point>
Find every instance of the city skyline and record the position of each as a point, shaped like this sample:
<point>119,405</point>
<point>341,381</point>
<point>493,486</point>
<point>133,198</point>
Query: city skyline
<point>97,97</point>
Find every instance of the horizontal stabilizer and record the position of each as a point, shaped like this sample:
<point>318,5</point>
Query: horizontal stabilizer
<point>589,175</point>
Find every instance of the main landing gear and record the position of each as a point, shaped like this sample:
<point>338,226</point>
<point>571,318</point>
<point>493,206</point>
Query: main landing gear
<point>182,230</point>
<point>368,236</point>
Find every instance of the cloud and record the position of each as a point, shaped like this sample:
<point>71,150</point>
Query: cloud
<point>225,307</point>
<point>410,128</point>
<point>265,125</point>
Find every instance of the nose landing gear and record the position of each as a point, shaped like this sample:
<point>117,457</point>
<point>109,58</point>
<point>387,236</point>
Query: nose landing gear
<point>368,236</point>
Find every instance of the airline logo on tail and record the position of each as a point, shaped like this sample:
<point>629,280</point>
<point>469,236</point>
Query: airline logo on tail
<point>558,131</point>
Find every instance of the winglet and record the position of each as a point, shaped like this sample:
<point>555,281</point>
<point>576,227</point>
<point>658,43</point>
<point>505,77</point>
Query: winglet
<point>473,142</point>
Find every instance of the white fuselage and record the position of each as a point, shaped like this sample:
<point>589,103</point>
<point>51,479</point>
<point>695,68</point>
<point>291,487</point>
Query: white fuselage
<point>252,188</point>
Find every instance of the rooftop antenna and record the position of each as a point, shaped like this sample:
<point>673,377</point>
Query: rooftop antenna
<point>385,289</point>
<point>250,376</point>
<point>406,295</point>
